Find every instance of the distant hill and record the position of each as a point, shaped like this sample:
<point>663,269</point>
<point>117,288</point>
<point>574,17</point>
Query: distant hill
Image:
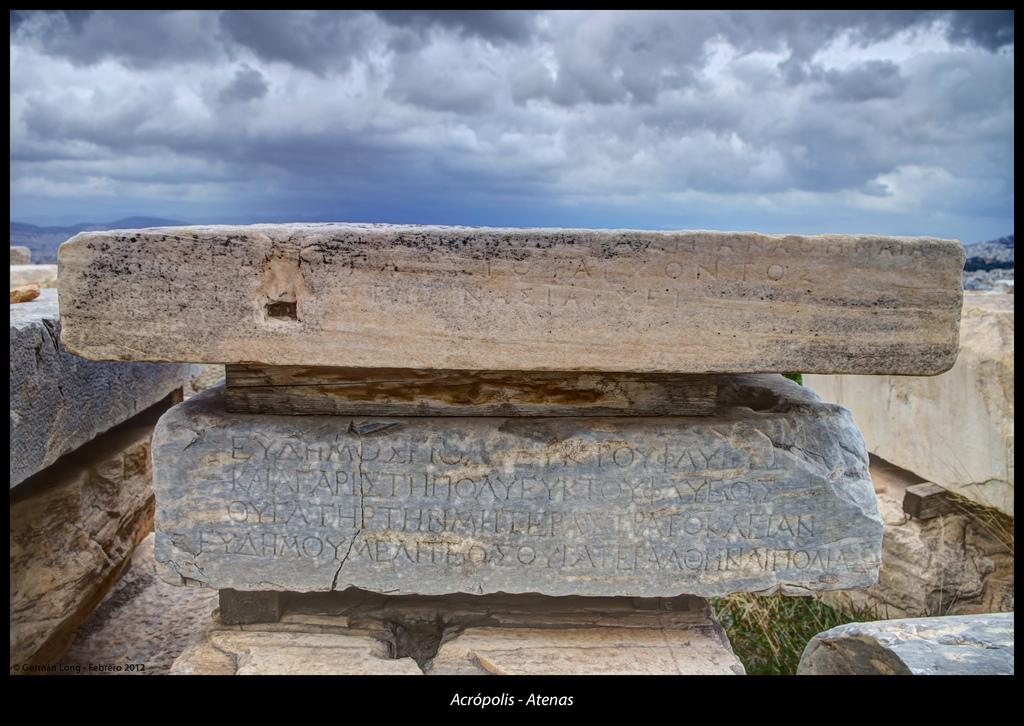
<point>993,254</point>
<point>44,241</point>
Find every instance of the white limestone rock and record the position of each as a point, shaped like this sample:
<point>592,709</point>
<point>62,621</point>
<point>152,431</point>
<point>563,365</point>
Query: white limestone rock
<point>955,429</point>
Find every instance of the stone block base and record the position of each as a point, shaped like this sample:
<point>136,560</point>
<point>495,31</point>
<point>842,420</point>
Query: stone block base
<point>356,632</point>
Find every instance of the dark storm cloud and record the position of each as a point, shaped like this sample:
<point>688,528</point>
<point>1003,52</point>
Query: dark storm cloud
<point>317,41</point>
<point>991,29</point>
<point>878,113</point>
<point>873,79</point>
<point>138,39</point>
<point>248,84</point>
<point>494,25</point>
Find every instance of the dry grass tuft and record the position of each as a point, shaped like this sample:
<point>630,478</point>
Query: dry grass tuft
<point>990,520</point>
<point>769,634</point>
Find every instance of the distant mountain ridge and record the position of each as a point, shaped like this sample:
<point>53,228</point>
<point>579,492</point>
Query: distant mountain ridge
<point>993,254</point>
<point>44,241</point>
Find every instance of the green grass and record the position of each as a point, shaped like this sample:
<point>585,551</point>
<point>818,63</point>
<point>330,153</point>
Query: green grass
<point>769,634</point>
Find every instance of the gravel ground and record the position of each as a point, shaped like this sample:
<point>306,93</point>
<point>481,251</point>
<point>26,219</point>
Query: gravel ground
<point>142,622</point>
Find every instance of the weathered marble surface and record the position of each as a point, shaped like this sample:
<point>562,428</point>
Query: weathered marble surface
<point>771,491</point>
<point>59,401</point>
<point>358,632</point>
<point>385,296</point>
<point>967,412</point>
<point>957,645</point>
<point>42,275</point>
<point>949,565</point>
<point>72,530</point>
<point>20,255</point>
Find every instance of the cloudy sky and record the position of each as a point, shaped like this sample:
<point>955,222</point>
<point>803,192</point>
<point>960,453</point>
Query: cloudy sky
<point>893,123</point>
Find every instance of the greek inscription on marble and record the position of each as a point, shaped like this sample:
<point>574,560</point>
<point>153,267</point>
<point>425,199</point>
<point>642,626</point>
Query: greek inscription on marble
<point>584,506</point>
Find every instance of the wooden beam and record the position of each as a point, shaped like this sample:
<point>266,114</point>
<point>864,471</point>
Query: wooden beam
<point>927,500</point>
<point>400,392</point>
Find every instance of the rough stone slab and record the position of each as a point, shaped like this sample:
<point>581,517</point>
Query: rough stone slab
<point>359,632</point>
<point>771,491</point>
<point>967,412</point>
<point>402,392</point>
<point>389,296</point>
<point>42,275</point>
<point>20,255</point>
<point>59,401</point>
<point>950,565</point>
<point>958,645</point>
<point>72,531</point>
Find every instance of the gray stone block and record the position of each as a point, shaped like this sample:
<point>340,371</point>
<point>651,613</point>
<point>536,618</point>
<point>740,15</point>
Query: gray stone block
<point>770,491</point>
<point>59,401</point>
<point>959,645</point>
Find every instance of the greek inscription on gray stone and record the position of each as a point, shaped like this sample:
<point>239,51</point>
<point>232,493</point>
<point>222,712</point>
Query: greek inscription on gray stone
<point>770,491</point>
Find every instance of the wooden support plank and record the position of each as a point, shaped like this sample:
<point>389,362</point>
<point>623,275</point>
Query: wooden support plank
<point>927,500</point>
<point>302,390</point>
